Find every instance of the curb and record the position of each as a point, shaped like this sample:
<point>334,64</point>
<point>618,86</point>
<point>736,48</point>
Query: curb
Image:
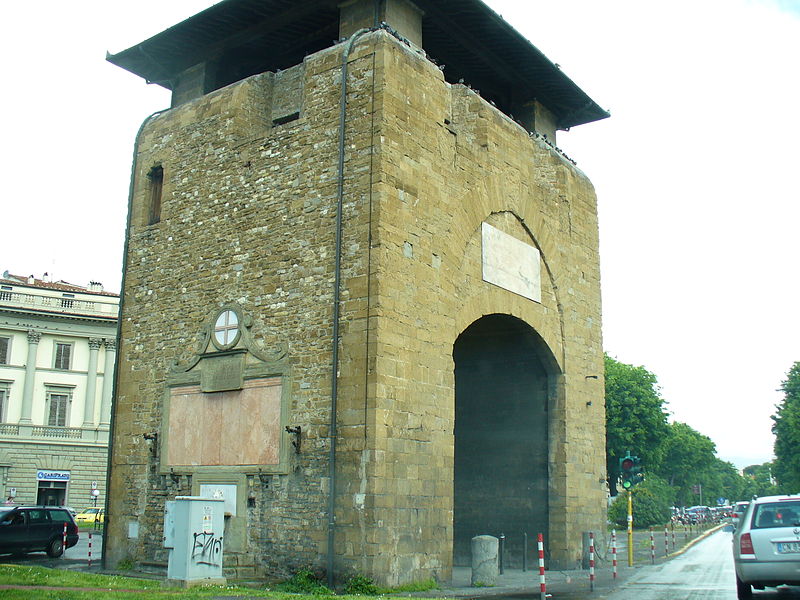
<point>694,541</point>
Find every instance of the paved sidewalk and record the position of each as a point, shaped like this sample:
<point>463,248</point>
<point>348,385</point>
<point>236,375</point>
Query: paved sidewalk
<point>513,583</point>
<point>561,585</point>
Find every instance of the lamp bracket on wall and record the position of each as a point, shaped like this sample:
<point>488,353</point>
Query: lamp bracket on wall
<point>297,432</point>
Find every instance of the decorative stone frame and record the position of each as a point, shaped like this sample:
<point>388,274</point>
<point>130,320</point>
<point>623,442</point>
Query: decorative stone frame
<point>235,533</point>
<point>58,389</point>
<point>71,359</point>
<point>229,368</point>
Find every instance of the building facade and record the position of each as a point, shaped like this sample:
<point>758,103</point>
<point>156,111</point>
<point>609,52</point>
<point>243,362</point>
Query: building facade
<point>361,300</point>
<point>57,353</point>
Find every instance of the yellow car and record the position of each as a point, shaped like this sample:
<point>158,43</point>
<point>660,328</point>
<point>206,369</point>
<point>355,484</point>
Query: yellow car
<point>89,516</point>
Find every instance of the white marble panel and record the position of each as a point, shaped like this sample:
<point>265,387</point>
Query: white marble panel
<point>511,263</point>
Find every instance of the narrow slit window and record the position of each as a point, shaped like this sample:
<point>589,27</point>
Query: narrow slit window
<point>285,119</point>
<point>156,177</point>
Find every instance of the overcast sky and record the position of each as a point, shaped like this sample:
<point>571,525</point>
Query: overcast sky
<point>695,171</point>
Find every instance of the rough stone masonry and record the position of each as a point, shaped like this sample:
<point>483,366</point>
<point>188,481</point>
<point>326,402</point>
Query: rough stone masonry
<point>469,369</point>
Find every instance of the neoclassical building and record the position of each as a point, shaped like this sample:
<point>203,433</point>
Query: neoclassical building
<point>57,353</point>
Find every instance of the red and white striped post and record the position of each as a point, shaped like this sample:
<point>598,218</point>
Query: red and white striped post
<point>666,541</point>
<point>673,537</point>
<point>90,550</point>
<point>542,585</point>
<point>652,547</point>
<point>64,540</point>
<point>614,552</point>
<point>591,561</point>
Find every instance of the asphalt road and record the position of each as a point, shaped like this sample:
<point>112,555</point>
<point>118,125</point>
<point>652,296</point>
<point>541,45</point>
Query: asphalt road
<point>704,572</point>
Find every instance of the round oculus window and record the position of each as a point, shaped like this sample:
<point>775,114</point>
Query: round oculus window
<point>226,329</point>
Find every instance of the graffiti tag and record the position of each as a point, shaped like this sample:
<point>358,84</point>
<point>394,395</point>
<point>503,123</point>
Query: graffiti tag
<point>207,549</point>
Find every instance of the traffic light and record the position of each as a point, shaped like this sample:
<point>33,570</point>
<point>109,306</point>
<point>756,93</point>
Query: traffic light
<point>630,471</point>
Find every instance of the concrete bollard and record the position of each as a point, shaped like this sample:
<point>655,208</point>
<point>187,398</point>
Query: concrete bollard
<point>484,560</point>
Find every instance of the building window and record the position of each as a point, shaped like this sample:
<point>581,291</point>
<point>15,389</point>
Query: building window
<point>67,300</point>
<point>156,177</point>
<point>57,408</point>
<point>63,356</point>
<point>5,347</point>
<point>3,402</point>
<point>226,330</point>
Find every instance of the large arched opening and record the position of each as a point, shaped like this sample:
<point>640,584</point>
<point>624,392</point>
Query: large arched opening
<point>504,382</point>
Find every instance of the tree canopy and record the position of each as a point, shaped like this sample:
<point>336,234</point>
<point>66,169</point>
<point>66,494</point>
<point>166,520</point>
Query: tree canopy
<point>786,427</point>
<point>682,460</point>
<point>635,417</point>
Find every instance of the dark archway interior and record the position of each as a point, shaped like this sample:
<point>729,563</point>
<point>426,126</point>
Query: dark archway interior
<point>501,437</point>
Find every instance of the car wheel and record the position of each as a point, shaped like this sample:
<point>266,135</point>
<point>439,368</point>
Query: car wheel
<point>743,590</point>
<point>55,548</point>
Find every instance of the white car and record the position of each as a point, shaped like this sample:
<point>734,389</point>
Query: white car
<point>766,544</point>
<point>738,511</point>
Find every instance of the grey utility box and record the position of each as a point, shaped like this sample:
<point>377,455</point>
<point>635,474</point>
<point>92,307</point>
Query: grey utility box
<point>193,528</point>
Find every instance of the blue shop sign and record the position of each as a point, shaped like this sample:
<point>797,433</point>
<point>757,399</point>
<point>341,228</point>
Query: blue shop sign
<point>52,475</point>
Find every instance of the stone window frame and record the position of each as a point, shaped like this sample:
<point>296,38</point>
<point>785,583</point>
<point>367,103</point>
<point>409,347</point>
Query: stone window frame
<point>5,349</point>
<point>58,361</point>
<point>52,390</point>
<point>5,398</point>
<point>226,344</point>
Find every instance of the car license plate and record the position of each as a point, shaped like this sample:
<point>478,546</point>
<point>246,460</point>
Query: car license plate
<point>788,547</point>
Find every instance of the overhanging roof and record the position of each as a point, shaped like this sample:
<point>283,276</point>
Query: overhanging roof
<point>473,42</point>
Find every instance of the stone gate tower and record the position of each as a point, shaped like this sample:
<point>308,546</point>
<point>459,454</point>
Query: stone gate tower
<point>361,297</point>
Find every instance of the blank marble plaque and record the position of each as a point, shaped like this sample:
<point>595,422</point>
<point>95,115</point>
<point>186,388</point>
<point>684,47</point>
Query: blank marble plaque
<point>510,263</point>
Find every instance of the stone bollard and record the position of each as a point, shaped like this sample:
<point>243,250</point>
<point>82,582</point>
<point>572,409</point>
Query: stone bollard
<point>484,560</point>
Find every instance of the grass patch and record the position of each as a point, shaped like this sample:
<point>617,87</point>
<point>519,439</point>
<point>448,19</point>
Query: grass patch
<point>358,585</point>
<point>106,587</point>
<point>303,584</point>
<point>23,575</point>
<point>417,586</point>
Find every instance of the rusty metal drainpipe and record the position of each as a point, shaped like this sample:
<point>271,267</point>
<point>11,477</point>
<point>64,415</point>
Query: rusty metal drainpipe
<point>336,299</point>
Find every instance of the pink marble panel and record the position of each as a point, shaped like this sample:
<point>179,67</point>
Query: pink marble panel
<point>183,434</point>
<point>213,417</point>
<point>226,428</point>
<point>232,428</point>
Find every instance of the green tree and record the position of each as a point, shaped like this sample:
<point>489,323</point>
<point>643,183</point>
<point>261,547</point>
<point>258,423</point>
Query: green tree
<point>758,481</point>
<point>786,427</point>
<point>689,461</point>
<point>635,416</point>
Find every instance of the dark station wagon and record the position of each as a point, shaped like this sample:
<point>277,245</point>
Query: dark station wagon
<point>36,529</point>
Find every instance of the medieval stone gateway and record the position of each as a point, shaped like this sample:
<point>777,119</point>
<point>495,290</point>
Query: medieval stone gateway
<point>368,315</point>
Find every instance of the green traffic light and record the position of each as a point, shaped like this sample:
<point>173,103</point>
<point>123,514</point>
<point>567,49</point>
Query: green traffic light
<point>630,471</point>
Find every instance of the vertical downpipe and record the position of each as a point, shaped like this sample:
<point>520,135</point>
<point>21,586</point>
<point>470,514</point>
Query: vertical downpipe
<point>114,390</point>
<point>336,298</point>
